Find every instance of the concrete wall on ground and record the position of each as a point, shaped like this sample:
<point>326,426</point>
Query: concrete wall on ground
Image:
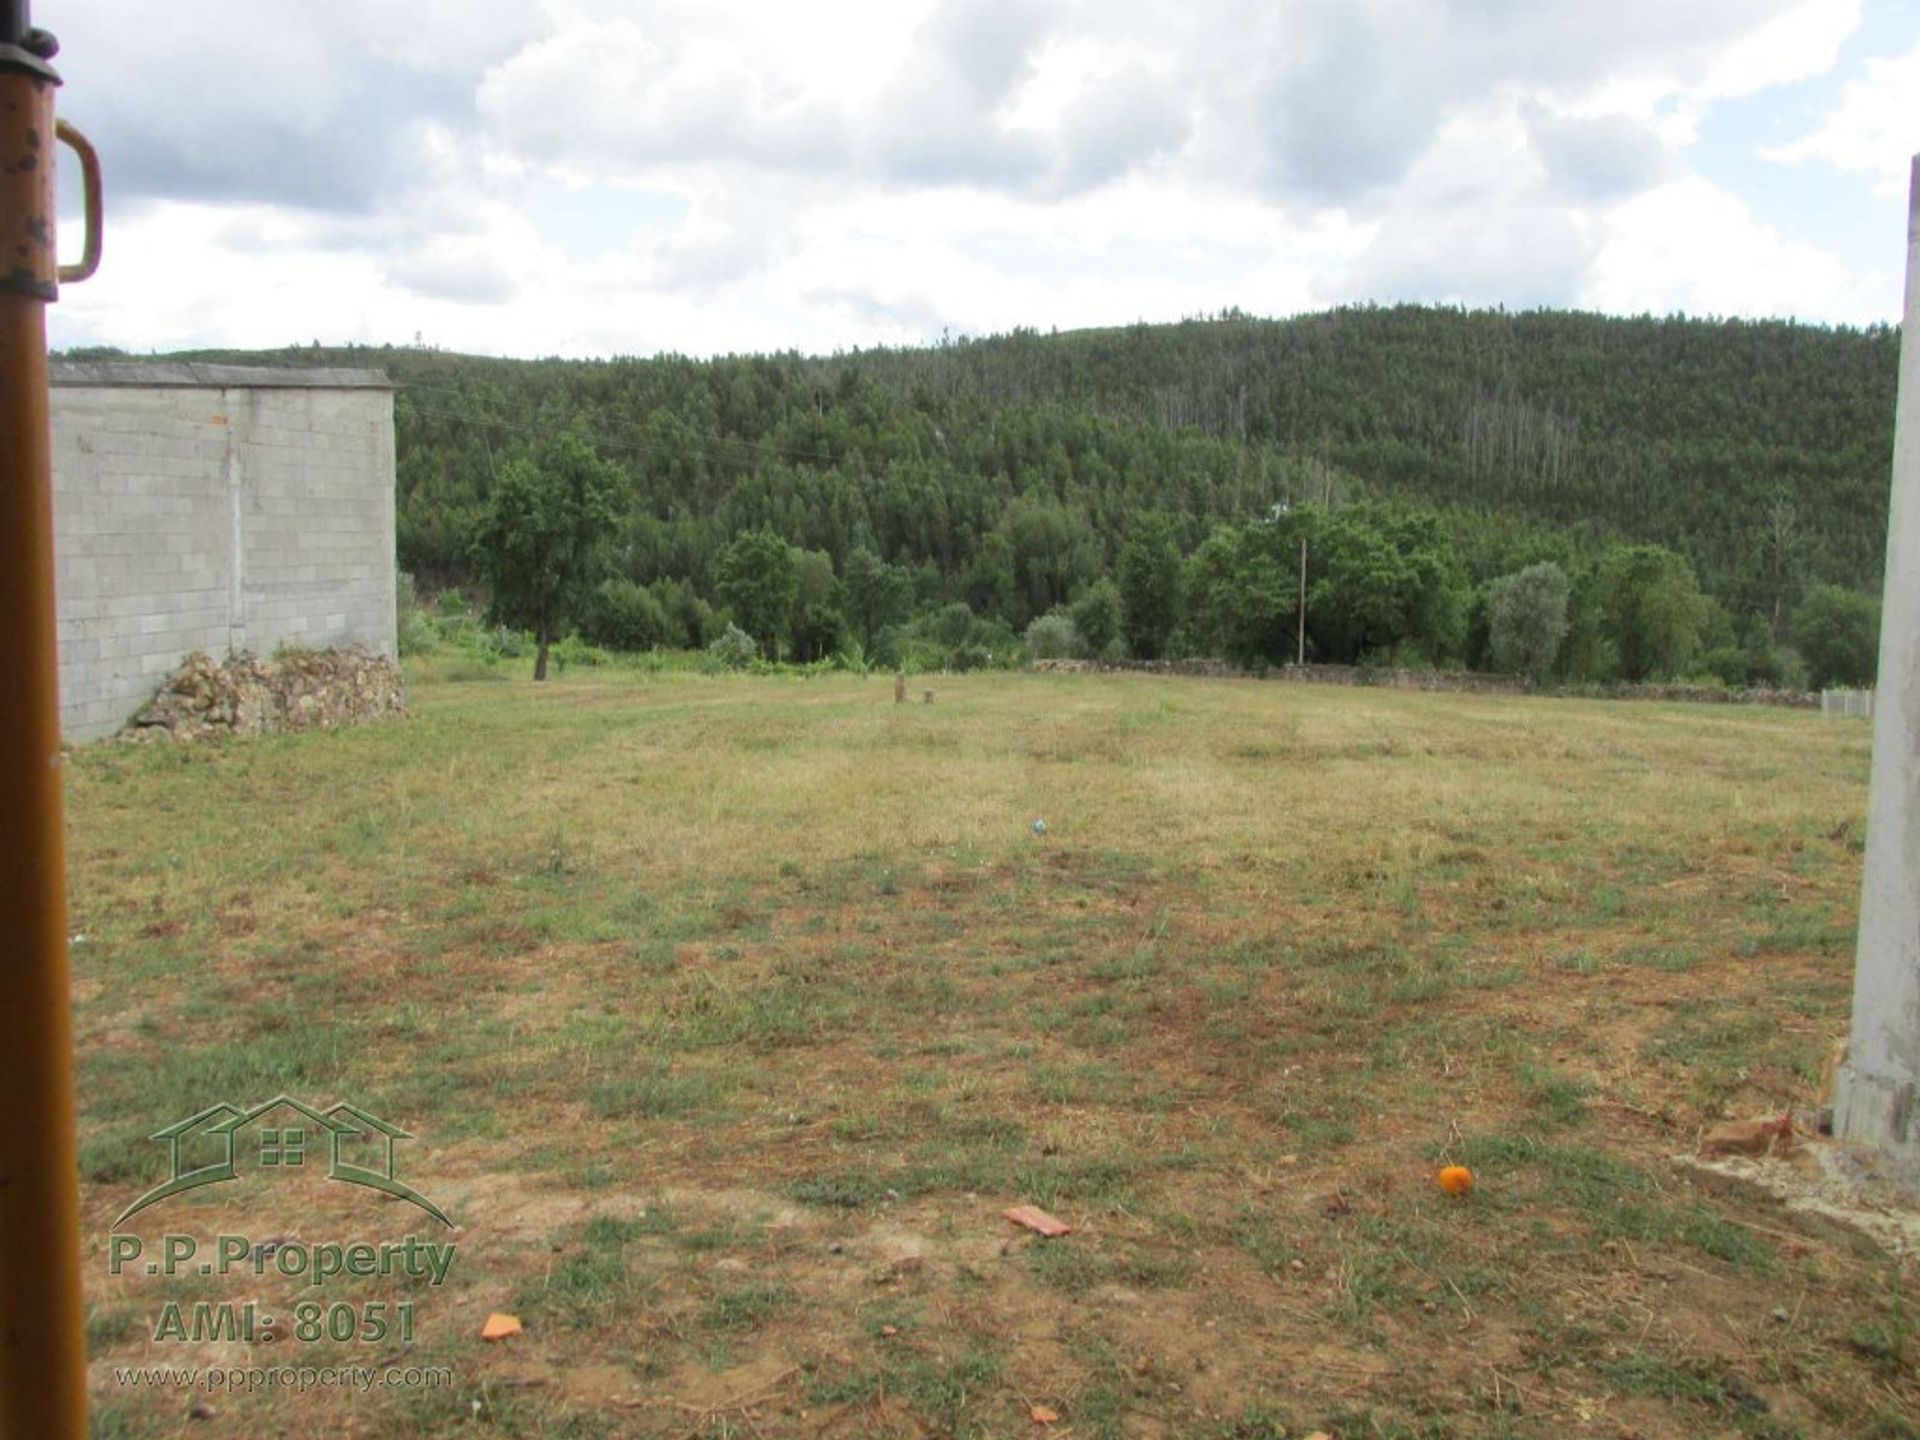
<point>216,508</point>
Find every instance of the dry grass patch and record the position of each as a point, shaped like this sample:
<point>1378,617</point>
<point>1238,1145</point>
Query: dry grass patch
<point>731,1013</point>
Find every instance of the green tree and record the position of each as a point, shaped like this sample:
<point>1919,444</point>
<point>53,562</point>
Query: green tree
<point>1837,632</point>
<point>1150,587</point>
<point>1098,615</point>
<point>814,622</point>
<point>756,581</point>
<point>1241,595</point>
<point>1243,592</point>
<point>1527,619</point>
<point>1381,578</point>
<point>1651,609</point>
<point>1052,551</point>
<point>1587,654</point>
<point>989,582</point>
<point>690,620</point>
<point>876,595</point>
<point>538,546</point>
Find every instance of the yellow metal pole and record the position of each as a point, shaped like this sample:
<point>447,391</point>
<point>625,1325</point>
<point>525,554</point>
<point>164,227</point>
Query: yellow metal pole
<point>43,1357</point>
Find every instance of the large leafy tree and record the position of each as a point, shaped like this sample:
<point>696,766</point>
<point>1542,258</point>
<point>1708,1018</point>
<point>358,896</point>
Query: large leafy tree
<point>1652,610</point>
<point>1837,633</point>
<point>814,621</point>
<point>1380,577</point>
<point>1052,551</point>
<point>1150,587</point>
<point>540,542</point>
<point>1242,596</point>
<point>1527,619</point>
<point>756,581</point>
<point>989,586</point>
<point>875,593</point>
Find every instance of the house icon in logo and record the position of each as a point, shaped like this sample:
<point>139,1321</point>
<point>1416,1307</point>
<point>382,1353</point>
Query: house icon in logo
<point>282,1134</point>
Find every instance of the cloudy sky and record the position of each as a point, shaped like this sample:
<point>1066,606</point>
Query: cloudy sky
<point>593,177</point>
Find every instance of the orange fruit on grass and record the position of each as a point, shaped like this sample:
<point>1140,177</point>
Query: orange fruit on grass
<point>1455,1179</point>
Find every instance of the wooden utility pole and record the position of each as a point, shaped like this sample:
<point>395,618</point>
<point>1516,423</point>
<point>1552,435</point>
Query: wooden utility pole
<point>43,1351</point>
<point>1300,654</point>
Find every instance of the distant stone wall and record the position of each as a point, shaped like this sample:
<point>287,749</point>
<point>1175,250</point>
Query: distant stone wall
<point>1467,681</point>
<point>213,508</point>
<point>1206,669</point>
<point>296,690</point>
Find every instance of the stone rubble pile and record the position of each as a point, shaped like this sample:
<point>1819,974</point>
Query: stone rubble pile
<point>295,690</point>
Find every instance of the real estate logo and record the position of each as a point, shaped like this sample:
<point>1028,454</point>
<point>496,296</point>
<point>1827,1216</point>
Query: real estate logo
<point>282,1134</point>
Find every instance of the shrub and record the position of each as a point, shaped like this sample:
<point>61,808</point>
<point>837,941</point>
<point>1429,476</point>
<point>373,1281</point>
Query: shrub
<point>734,650</point>
<point>506,644</point>
<point>623,616</point>
<point>1763,664</point>
<point>575,651</point>
<point>1053,636</point>
<point>414,632</point>
<point>969,656</point>
<point>1098,616</point>
<point>1527,619</point>
<point>1838,631</point>
<point>689,619</point>
<point>950,625</point>
<point>1402,655</point>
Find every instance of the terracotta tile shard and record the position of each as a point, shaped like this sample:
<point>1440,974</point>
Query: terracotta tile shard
<point>499,1327</point>
<point>1038,1221</point>
<point>1749,1137</point>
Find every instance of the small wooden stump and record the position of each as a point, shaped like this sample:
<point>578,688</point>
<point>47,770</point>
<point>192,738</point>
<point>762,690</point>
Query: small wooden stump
<point>900,688</point>
<point>926,697</point>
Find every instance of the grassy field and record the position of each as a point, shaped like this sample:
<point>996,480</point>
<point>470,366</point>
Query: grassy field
<point>729,1014</point>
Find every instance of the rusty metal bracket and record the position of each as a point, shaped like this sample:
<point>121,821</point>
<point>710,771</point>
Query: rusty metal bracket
<point>90,186</point>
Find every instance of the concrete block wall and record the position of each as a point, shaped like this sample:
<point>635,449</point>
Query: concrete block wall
<point>213,508</point>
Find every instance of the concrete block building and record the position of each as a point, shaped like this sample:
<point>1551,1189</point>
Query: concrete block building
<point>216,508</point>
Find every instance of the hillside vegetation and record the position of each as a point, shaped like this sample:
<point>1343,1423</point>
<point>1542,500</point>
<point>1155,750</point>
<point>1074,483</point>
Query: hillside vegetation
<point>1010,475</point>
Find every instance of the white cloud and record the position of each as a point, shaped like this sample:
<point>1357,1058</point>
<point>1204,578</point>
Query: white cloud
<point>1671,88</point>
<point>583,176</point>
<point>1873,130</point>
<point>608,96</point>
<point>1592,158</point>
<point>1476,222</point>
<point>1798,44</point>
<point>1693,247</point>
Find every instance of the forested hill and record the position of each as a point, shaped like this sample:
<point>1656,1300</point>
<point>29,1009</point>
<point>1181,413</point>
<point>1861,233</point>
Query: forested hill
<point>1703,433</point>
<point>1759,450</point>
